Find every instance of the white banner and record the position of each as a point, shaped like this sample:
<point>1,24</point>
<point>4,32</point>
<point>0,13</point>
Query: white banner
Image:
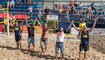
<point>96,31</point>
<point>52,17</point>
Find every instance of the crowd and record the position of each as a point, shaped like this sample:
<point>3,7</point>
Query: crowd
<point>76,9</point>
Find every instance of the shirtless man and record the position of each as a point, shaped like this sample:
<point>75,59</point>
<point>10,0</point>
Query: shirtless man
<point>44,37</point>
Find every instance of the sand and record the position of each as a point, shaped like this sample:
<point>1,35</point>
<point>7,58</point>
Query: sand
<point>8,49</point>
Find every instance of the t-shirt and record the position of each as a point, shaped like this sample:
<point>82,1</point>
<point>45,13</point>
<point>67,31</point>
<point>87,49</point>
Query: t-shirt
<point>47,11</point>
<point>41,21</point>
<point>17,30</point>
<point>85,37</point>
<point>81,25</point>
<point>60,36</point>
<point>30,31</point>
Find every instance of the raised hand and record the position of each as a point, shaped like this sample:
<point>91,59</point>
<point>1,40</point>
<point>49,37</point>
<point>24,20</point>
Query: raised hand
<point>72,22</point>
<point>96,18</point>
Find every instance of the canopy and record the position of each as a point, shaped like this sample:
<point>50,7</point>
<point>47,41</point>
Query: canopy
<point>21,16</point>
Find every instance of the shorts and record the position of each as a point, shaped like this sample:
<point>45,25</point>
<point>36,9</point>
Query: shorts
<point>43,42</point>
<point>17,38</point>
<point>61,46</point>
<point>84,47</point>
<point>31,40</point>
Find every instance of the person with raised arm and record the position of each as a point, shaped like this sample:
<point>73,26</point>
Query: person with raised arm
<point>84,43</point>
<point>60,41</point>
<point>30,28</point>
<point>18,34</point>
<point>44,37</point>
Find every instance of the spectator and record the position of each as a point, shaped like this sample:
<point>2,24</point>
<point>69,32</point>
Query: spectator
<point>55,11</point>
<point>60,11</point>
<point>80,6</point>
<point>64,6</point>
<point>85,13</point>
<point>101,18</point>
<point>30,10</point>
<point>0,6</point>
<point>47,11</point>
<point>72,2</point>
<point>72,9</point>
<point>60,5</point>
<point>68,7</point>
<point>93,7</point>
<point>12,3</point>
<point>90,11</point>
<point>56,5</point>
<point>76,3</point>
<point>40,13</point>
<point>17,0</point>
<point>29,1</point>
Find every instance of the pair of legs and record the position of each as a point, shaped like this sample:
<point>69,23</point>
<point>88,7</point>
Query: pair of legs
<point>42,43</point>
<point>31,40</point>
<point>80,55</point>
<point>84,47</point>
<point>90,14</point>
<point>18,41</point>
<point>61,47</point>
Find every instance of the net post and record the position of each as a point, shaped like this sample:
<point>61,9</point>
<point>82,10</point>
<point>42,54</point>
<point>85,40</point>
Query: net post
<point>8,33</point>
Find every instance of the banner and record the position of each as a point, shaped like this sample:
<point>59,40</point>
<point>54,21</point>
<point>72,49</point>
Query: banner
<point>98,31</point>
<point>52,17</point>
<point>1,28</point>
<point>38,29</point>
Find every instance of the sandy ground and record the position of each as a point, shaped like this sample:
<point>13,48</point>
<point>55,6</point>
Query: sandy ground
<point>8,49</point>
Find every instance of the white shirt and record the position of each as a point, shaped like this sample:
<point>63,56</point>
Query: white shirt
<point>60,36</point>
<point>12,2</point>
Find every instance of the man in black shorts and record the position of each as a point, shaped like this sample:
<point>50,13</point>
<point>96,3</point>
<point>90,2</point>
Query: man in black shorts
<point>84,44</point>
<point>18,34</point>
<point>30,28</point>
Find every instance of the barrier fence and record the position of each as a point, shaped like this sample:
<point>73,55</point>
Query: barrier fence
<point>38,29</point>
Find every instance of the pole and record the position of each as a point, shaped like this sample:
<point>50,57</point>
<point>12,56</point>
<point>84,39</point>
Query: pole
<point>7,19</point>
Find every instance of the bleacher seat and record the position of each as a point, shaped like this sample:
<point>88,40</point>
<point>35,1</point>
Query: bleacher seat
<point>23,8</point>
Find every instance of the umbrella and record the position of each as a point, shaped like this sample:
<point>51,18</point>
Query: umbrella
<point>21,16</point>
<point>5,15</point>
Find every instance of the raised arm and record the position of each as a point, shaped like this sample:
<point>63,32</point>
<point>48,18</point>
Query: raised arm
<point>39,23</point>
<point>69,26</point>
<point>76,27</point>
<point>26,22</point>
<point>93,24</point>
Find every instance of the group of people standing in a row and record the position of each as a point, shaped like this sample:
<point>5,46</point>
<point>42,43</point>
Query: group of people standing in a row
<point>84,44</point>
